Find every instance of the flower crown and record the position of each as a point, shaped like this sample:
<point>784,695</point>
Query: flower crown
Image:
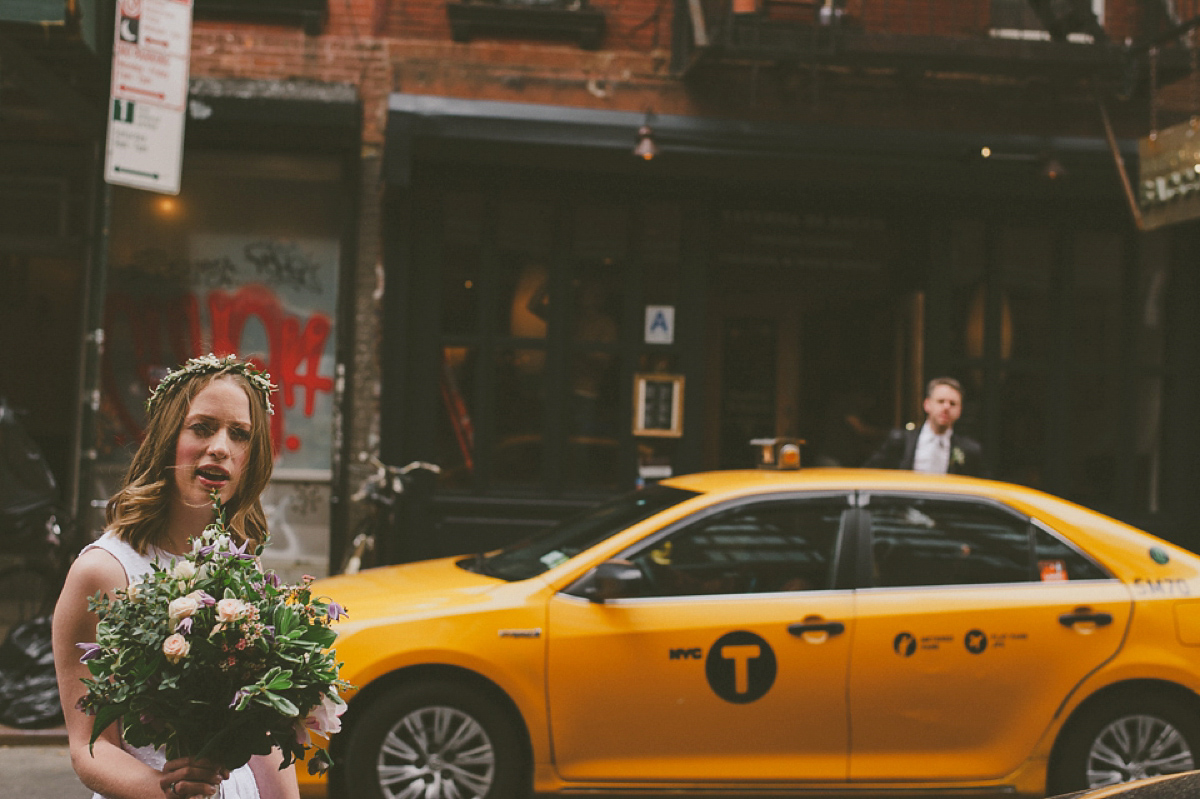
<point>210,364</point>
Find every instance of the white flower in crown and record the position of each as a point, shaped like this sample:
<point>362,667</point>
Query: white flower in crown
<point>209,364</point>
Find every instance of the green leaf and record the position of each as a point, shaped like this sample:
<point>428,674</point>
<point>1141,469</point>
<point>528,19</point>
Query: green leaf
<point>281,704</point>
<point>321,636</point>
<point>105,717</point>
<point>281,683</point>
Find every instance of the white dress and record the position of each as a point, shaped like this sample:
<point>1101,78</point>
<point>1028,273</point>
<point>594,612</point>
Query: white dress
<point>241,784</point>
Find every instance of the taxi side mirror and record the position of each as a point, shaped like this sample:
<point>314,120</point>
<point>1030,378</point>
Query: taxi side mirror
<point>614,579</point>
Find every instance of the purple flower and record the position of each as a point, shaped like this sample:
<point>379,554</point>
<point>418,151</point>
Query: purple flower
<point>238,552</point>
<point>184,626</point>
<point>272,578</point>
<point>335,611</point>
<point>89,651</point>
<point>204,599</point>
<point>241,694</point>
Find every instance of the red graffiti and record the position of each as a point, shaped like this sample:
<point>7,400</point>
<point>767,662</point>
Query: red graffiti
<point>162,332</point>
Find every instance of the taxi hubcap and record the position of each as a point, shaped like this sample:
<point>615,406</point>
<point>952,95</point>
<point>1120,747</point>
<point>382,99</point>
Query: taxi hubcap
<point>1136,747</point>
<point>436,753</point>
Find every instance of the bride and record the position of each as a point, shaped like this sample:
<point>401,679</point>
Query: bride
<point>208,429</point>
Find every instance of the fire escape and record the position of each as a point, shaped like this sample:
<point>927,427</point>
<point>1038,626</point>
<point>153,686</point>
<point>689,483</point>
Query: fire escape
<point>1065,41</point>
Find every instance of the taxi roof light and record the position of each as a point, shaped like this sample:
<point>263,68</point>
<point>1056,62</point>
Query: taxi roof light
<point>777,453</point>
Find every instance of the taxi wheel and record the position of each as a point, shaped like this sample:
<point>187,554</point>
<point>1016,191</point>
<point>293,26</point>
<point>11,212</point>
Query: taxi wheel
<point>439,740</point>
<point>1128,738</point>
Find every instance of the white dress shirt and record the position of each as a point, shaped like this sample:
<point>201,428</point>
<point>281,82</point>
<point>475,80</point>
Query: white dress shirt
<point>932,455</point>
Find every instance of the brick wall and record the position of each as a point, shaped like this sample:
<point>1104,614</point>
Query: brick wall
<point>639,25</point>
<point>921,17</point>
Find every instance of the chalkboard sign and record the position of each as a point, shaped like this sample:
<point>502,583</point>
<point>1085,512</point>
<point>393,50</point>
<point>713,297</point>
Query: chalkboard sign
<point>658,405</point>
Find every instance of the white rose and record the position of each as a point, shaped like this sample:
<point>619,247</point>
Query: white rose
<point>324,718</point>
<point>176,647</point>
<point>182,608</point>
<point>184,570</point>
<point>230,610</point>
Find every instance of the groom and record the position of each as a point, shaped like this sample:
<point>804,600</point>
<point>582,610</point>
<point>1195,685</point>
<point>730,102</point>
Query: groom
<point>934,448</point>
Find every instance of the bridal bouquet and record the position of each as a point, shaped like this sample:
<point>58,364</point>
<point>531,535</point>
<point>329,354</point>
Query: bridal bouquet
<point>210,657</point>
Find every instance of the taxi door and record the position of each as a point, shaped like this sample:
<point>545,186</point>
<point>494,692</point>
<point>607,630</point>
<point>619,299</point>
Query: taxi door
<point>738,674</point>
<point>979,626</point>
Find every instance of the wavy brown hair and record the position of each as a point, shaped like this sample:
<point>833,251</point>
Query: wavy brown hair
<point>138,512</point>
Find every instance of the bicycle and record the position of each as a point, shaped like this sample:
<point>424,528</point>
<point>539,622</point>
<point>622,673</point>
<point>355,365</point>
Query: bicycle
<point>32,561</point>
<point>382,489</point>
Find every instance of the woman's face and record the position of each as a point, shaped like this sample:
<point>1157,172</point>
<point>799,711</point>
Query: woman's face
<point>214,444</point>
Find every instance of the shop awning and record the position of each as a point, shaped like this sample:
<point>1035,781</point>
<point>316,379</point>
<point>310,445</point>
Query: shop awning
<point>877,159</point>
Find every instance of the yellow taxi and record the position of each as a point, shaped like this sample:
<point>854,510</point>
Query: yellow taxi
<point>813,632</point>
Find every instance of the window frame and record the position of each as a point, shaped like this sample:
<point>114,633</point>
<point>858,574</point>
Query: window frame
<point>865,572</point>
<point>845,561</point>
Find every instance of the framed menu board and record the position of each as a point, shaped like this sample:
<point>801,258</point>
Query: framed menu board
<point>658,405</point>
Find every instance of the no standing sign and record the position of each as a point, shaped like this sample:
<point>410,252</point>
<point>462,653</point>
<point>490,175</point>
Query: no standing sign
<point>148,104</point>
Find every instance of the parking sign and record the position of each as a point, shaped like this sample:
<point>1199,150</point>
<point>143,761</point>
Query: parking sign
<point>148,103</point>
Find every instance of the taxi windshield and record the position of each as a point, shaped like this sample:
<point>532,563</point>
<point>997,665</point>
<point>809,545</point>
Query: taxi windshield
<point>568,538</point>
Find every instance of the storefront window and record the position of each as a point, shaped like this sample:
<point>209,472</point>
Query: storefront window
<point>520,416</point>
<point>1025,257</point>
<point>244,260</point>
<point>523,284</point>
<point>456,428</point>
<point>658,252</point>
<point>966,255</point>
<point>1098,280</point>
<point>1094,401</point>
<point>524,232</point>
<point>463,214</point>
<point>1020,453</point>
<point>536,354</point>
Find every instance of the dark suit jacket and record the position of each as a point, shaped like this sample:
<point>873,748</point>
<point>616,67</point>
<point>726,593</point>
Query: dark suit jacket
<point>900,447</point>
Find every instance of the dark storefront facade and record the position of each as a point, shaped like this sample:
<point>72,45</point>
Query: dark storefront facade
<point>251,257</point>
<point>775,279</point>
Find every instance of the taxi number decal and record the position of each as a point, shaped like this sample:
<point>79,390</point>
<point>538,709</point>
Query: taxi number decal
<point>740,667</point>
<point>1165,586</point>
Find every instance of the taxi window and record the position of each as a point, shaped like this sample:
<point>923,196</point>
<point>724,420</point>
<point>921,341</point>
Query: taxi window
<point>565,540</point>
<point>1057,560</point>
<point>918,541</point>
<point>760,548</point>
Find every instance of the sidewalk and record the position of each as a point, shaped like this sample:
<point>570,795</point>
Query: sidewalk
<point>39,772</point>
<point>52,736</point>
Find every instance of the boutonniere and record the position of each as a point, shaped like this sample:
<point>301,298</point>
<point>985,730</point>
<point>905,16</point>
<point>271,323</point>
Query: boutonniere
<point>958,456</point>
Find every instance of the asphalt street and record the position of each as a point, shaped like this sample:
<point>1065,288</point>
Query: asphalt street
<point>38,772</point>
<point>44,772</point>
